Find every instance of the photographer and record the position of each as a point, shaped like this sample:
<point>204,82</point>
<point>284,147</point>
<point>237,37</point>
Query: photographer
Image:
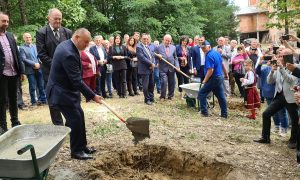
<point>284,97</point>
<point>268,90</point>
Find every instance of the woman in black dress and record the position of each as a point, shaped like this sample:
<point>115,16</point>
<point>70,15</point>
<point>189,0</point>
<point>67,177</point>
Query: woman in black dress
<point>117,57</point>
<point>132,63</point>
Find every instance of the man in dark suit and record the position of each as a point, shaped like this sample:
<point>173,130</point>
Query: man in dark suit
<point>99,52</point>
<point>146,66</point>
<point>47,40</point>
<point>64,87</point>
<point>11,70</point>
<point>167,73</point>
<point>198,58</point>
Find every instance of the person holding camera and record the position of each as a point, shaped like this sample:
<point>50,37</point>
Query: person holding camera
<point>268,90</point>
<point>238,67</point>
<point>283,97</point>
<point>225,53</point>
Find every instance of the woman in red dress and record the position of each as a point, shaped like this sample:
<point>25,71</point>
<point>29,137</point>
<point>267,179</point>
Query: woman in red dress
<point>89,69</point>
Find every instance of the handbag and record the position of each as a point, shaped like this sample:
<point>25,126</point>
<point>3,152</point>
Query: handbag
<point>109,68</point>
<point>133,63</point>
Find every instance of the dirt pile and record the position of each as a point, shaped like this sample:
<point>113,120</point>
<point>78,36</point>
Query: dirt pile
<point>150,162</point>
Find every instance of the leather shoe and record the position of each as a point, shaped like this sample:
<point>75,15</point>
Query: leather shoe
<point>292,145</point>
<point>90,150</point>
<point>262,141</point>
<point>81,156</point>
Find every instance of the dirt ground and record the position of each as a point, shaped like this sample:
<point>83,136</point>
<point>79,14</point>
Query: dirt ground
<point>183,145</point>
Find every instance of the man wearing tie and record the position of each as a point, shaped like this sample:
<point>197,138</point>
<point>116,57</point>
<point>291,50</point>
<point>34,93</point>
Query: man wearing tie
<point>146,66</point>
<point>47,39</point>
<point>167,73</point>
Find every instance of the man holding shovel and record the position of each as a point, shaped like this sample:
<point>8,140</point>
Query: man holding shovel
<point>64,87</point>
<point>167,51</point>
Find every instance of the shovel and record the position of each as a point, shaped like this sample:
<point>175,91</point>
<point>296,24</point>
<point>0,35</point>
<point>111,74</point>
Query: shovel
<point>139,127</point>
<point>174,67</point>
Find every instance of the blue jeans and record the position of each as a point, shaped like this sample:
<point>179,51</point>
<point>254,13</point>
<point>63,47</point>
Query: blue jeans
<point>214,84</point>
<point>280,118</point>
<point>109,83</point>
<point>36,80</point>
<point>156,79</point>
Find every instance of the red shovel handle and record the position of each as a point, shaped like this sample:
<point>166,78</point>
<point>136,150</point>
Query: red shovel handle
<point>113,111</point>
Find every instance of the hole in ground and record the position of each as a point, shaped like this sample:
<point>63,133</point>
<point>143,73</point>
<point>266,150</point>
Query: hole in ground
<point>149,162</point>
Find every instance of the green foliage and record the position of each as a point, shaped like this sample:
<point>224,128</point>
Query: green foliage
<point>73,13</point>
<point>213,18</point>
<point>282,17</point>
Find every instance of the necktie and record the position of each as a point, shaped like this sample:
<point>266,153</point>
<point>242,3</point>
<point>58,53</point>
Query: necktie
<point>56,34</point>
<point>167,50</point>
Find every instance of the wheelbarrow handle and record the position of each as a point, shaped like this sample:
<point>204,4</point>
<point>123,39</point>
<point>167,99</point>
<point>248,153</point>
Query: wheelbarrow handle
<point>174,67</point>
<point>113,111</point>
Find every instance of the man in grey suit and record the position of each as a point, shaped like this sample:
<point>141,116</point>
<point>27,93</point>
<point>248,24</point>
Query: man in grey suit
<point>167,73</point>
<point>146,66</point>
<point>226,56</point>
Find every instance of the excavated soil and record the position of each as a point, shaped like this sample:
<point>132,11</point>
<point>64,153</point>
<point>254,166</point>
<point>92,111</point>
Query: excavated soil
<point>152,162</point>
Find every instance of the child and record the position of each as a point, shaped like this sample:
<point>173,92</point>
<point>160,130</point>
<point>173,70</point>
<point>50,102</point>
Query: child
<point>251,94</point>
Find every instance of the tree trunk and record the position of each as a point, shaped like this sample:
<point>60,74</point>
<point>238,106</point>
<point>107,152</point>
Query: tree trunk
<point>22,7</point>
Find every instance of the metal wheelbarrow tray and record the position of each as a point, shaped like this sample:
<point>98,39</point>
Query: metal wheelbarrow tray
<point>46,140</point>
<point>192,91</point>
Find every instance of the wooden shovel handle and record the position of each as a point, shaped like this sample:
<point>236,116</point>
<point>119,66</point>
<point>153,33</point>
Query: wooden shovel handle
<point>174,67</point>
<point>113,111</point>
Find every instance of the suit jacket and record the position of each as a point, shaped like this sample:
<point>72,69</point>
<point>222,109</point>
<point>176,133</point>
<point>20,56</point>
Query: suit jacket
<point>171,57</point>
<point>46,45</point>
<point>226,55</point>
<point>85,60</point>
<point>179,55</point>
<point>288,82</point>
<point>196,58</point>
<point>16,56</point>
<point>94,51</point>
<point>117,64</point>
<point>29,59</point>
<point>65,81</point>
<point>144,60</point>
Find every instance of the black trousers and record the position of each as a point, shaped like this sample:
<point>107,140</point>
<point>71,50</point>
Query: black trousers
<point>237,77</point>
<point>132,80</point>
<point>8,90</point>
<point>277,104</point>
<point>75,120</point>
<point>55,113</point>
<point>120,80</point>
<point>148,87</point>
<point>100,82</point>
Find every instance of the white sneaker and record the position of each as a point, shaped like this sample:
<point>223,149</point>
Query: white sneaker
<point>283,132</point>
<point>275,130</point>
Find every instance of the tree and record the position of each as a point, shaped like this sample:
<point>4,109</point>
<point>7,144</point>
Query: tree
<point>286,13</point>
<point>220,16</point>
<point>22,7</point>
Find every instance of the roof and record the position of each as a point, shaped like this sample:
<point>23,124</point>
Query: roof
<point>250,10</point>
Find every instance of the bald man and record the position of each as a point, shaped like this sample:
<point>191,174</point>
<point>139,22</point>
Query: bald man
<point>167,73</point>
<point>47,40</point>
<point>64,88</point>
<point>33,70</point>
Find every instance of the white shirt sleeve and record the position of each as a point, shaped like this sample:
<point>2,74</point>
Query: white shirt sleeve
<point>249,79</point>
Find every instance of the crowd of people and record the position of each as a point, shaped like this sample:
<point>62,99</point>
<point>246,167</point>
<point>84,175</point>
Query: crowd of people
<point>62,64</point>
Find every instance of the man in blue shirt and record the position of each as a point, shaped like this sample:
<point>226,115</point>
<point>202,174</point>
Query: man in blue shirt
<point>213,81</point>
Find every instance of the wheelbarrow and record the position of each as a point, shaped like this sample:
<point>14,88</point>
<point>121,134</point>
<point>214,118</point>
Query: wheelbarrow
<point>192,90</point>
<point>43,141</point>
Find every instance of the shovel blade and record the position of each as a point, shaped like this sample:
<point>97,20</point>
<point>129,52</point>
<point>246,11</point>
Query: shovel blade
<point>139,128</point>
